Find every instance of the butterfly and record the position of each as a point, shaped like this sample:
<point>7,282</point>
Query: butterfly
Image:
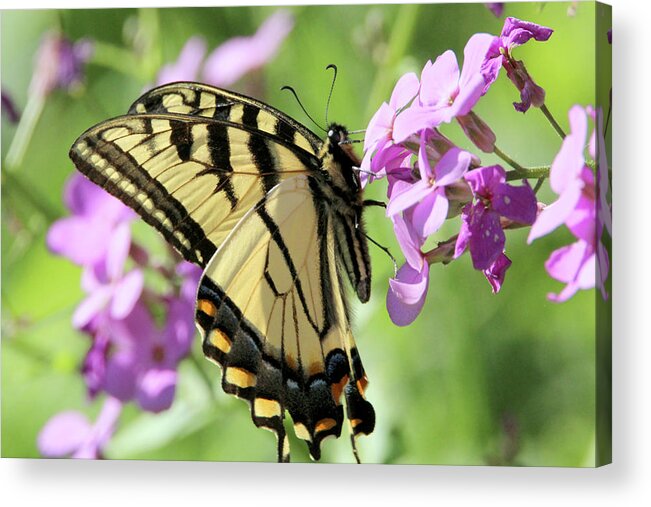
<point>273,215</point>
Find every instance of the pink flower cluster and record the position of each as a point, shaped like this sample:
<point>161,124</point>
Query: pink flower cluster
<point>431,180</point>
<point>130,357</point>
<point>581,206</point>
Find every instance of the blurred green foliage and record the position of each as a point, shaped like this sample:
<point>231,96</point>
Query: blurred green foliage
<point>479,378</point>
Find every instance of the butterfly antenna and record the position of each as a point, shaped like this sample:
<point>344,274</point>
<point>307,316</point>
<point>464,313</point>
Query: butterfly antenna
<point>332,87</point>
<point>302,107</point>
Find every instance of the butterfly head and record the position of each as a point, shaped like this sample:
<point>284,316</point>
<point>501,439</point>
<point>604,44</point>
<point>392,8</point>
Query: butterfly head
<point>342,159</point>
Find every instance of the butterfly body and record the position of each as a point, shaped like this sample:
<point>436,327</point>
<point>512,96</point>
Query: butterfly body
<point>274,216</point>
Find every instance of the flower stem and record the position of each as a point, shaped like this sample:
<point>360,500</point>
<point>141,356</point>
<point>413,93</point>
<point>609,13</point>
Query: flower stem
<point>25,130</point>
<point>530,172</point>
<point>553,121</point>
<point>509,161</point>
<point>520,171</point>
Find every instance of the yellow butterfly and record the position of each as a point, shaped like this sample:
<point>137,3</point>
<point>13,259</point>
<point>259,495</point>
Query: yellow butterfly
<point>274,216</point>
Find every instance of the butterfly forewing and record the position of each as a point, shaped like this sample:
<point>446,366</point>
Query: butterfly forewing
<point>192,178</point>
<point>196,99</point>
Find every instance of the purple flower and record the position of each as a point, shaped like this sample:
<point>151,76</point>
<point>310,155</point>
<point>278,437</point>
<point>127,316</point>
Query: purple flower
<point>497,271</point>
<point>85,237</point>
<point>407,291</point>
<point>9,108</point>
<point>515,32</point>
<point>496,8</point>
<point>427,197</point>
<point>446,93</point>
<point>59,64</point>
<point>143,361</point>
<point>187,67</point>
<point>578,207</point>
<point>481,231</point>
<point>109,291</point>
<point>573,182</point>
<point>71,434</point>
<point>239,55</point>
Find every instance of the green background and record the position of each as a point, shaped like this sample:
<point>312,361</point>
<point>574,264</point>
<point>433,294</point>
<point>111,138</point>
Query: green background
<point>478,378</point>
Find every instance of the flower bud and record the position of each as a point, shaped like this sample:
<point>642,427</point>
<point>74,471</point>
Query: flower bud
<point>478,132</point>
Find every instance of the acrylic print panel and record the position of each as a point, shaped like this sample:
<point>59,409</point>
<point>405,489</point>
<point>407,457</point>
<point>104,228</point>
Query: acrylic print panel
<point>473,182</point>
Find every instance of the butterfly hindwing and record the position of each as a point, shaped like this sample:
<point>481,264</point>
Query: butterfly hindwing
<point>277,323</point>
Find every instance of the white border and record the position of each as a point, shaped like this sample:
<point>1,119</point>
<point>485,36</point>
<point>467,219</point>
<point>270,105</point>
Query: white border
<point>626,482</point>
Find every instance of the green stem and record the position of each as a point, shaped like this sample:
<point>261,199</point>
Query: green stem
<point>509,161</point>
<point>553,121</point>
<point>25,130</point>
<point>520,171</point>
<point>528,173</point>
<point>116,58</point>
<point>399,40</point>
<point>29,195</point>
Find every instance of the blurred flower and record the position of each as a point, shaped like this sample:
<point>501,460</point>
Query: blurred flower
<point>59,64</point>
<point>577,207</point>
<point>239,55</point>
<point>143,360</point>
<point>187,67</point>
<point>230,61</point>
<point>496,8</point>
<point>86,236</point>
<point>446,93</point>
<point>609,34</point>
<point>108,289</point>
<point>9,108</point>
<point>481,231</point>
<point>71,434</point>
<point>515,32</point>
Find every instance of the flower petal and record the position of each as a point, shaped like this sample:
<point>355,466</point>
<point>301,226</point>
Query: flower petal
<point>452,166</point>
<point>186,67</point>
<point>569,161</point>
<point>439,81</point>
<point>486,237</point>
<point>63,434</point>
<point>406,295</point>
<point>125,294</point>
<point>556,213</point>
<point>156,390</point>
<point>516,203</point>
<point>405,90</point>
<point>430,213</point>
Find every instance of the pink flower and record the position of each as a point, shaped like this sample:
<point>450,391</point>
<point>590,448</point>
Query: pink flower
<point>407,291</point>
<point>379,147</point>
<point>240,55</point>
<point>71,434</point>
<point>579,207</point>
<point>446,93</point>
<point>497,271</point>
<point>187,67</point>
<point>86,236</point>
<point>108,289</point>
<point>426,197</point>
